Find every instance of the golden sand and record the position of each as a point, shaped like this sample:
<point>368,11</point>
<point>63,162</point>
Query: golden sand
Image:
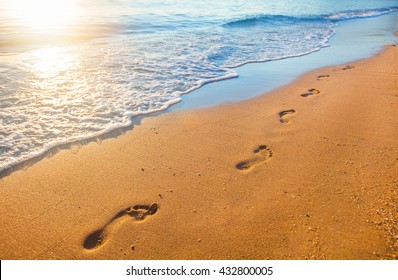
<point>309,171</point>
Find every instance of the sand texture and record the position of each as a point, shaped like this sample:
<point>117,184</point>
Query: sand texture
<point>309,171</point>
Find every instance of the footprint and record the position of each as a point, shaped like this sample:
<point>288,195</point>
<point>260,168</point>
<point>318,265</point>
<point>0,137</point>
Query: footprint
<point>284,116</point>
<point>310,92</point>
<point>138,212</point>
<point>262,154</point>
<point>322,77</point>
<point>348,67</point>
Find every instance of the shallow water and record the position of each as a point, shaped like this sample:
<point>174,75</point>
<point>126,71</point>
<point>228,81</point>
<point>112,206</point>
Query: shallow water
<point>77,69</point>
<point>354,40</point>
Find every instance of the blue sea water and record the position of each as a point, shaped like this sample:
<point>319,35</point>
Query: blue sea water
<point>77,69</point>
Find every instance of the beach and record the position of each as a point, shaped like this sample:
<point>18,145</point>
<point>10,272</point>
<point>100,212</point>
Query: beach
<point>307,171</point>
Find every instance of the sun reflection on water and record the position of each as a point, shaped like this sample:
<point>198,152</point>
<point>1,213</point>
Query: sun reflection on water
<point>51,62</point>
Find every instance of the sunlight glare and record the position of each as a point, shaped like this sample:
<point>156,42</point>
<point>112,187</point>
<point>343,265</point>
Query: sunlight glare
<point>43,14</point>
<point>51,62</point>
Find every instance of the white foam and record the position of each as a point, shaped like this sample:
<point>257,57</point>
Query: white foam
<point>360,14</point>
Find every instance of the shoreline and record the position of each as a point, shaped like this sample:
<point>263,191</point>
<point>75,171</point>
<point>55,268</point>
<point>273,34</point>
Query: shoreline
<point>280,176</point>
<point>271,75</point>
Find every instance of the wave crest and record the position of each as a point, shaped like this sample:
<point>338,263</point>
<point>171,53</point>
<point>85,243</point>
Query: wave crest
<point>276,20</point>
<point>268,19</point>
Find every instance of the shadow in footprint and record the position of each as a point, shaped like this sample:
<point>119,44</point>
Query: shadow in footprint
<point>95,239</point>
<point>321,77</point>
<point>262,154</point>
<point>284,116</point>
<point>348,67</point>
<point>139,212</point>
<point>310,92</point>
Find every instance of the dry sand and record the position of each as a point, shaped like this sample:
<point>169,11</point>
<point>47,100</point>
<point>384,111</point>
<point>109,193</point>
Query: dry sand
<point>282,176</point>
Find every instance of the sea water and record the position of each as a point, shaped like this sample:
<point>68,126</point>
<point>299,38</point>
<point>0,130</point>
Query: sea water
<point>76,69</point>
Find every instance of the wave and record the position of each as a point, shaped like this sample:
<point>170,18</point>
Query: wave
<point>286,20</point>
<point>268,19</point>
<point>16,162</point>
